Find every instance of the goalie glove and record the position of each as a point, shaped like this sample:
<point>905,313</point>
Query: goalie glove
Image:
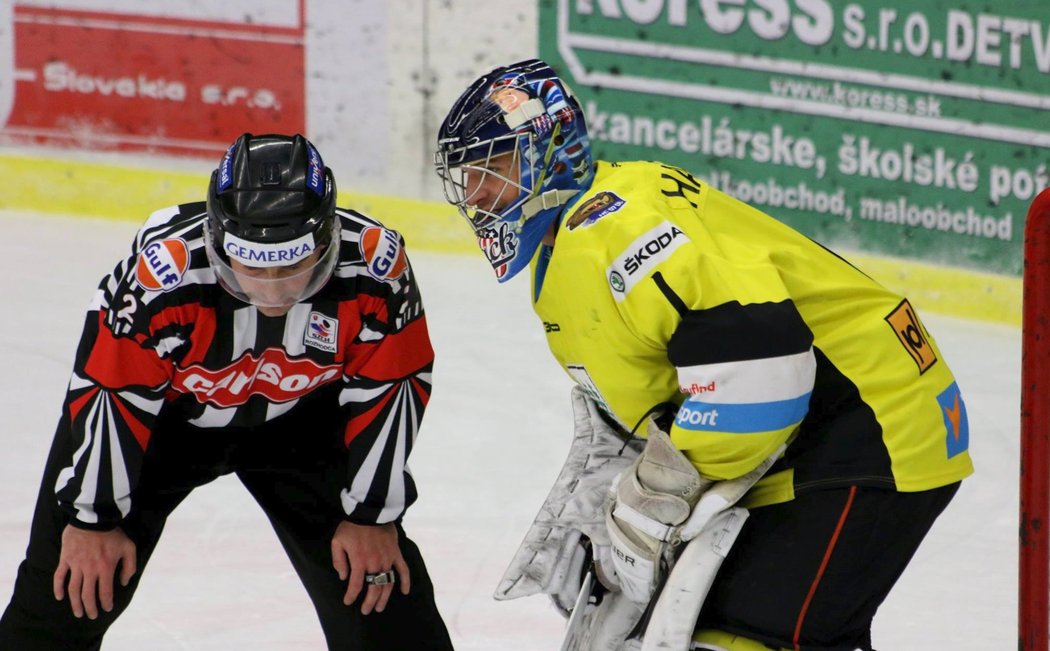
<point>651,498</point>
<point>724,494</point>
<point>660,501</point>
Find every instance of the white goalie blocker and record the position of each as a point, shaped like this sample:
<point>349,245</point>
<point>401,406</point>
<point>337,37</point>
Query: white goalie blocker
<point>613,599</point>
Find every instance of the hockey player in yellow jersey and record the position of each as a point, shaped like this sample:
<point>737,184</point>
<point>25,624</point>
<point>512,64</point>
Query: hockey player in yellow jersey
<point>753,350</point>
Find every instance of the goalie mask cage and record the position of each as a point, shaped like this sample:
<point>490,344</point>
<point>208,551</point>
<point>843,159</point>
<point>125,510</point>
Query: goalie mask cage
<point>1033,553</point>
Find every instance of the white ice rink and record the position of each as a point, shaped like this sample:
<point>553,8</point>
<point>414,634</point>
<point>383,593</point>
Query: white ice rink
<point>493,439</point>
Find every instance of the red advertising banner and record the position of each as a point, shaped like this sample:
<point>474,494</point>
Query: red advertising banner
<point>117,81</point>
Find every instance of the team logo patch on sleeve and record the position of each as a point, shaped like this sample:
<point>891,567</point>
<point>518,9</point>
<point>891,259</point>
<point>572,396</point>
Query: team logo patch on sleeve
<point>594,209</point>
<point>384,257</point>
<point>912,335</point>
<point>953,409</point>
<point>322,332</point>
<point>161,265</point>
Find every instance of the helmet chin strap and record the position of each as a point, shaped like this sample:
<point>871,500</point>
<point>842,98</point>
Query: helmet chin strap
<point>545,201</point>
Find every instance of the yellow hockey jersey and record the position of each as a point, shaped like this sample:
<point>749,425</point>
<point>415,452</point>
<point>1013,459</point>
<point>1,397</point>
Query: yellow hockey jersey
<point>662,290</point>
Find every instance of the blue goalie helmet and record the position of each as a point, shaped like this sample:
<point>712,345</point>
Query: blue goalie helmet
<point>512,151</point>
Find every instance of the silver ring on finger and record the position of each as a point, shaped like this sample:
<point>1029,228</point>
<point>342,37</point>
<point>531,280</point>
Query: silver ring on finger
<point>381,578</point>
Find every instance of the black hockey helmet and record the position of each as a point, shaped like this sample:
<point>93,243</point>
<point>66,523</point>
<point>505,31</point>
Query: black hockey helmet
<point>270,189</point>
<point>271,203</point>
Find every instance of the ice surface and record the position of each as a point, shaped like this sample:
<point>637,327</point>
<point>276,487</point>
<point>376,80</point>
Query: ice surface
<point>493,440</point>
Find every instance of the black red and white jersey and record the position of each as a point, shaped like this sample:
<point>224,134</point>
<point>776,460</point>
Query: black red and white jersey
<point>162,334</point>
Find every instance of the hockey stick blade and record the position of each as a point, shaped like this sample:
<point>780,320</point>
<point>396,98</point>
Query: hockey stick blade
<point>576,627</point>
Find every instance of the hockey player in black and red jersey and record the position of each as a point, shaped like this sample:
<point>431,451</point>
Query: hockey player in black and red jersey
<point>768,372</point>
<point>266,333</point>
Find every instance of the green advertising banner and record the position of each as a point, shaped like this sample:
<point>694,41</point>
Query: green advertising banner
<point>917,129</point>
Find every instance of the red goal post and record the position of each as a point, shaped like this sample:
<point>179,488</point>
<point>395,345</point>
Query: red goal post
<point>1033,596</point>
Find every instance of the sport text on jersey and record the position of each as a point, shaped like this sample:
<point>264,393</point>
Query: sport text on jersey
<point>255,254</point>
<point>272,375</point>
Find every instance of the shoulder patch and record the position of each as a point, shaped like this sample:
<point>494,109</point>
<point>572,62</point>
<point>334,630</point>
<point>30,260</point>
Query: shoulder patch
<point>641,256</point>
<point>595,208</point>
<point>161,265</point>
<point>912,335</point>
<point>383,254</point>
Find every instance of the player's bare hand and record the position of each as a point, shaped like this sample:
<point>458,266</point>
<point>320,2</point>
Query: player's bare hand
<point>89,559</point>
<point>358,550</point>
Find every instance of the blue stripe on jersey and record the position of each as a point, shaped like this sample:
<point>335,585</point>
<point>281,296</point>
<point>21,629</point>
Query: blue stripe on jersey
<point>746,418</point>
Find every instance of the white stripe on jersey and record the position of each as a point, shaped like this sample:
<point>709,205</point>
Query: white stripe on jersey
<point>89,482</point>
<point>157,219</point>
<point>275,409</point>
<point>77,382</point>
<point>120,482</point>
<point>64,477</point>
<point>395,496</point>
<point>366,474</point>
<point>359,396</point>
<point>245,323</point>
<point>145,404</point>
<point>214,417</point>
<point>202,276</point>
<point>295,324</point>
<point>166,345</point>
<point>349,271</point>
<point>85,499</point>
<point>368,334</point>
<point>97,301</point>
<point>756,380</point>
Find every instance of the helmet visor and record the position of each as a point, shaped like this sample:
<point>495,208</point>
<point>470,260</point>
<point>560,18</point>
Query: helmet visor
<point>490,186</point>
<point>275,286</point>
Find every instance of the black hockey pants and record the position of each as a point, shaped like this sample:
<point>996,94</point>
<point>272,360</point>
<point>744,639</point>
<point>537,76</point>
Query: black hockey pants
<point>811,573</point>
<point>296,481</point>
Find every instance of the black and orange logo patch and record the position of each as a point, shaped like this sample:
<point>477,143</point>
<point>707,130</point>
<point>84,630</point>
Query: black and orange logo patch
<point>905,322</point>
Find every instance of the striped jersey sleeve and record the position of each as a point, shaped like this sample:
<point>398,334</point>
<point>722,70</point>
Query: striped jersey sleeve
<point>116,390</point>
<point>387,381</point>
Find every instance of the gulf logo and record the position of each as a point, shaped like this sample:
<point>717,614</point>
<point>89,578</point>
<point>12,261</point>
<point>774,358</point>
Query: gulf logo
<point>161,265</point>
<point>384,257</point>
